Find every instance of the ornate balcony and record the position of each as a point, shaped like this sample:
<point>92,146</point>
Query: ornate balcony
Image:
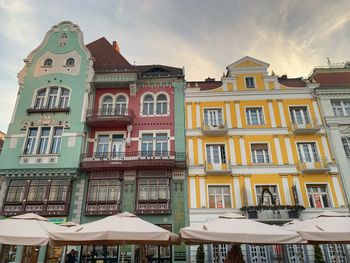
<point>101,118</point>
<point>102,208</point>
<point>307,128</point>
<point>41,208</point>
<point>153,207</point>
<point>222,168</point>
<point>321,166</point>
<point>132,160</point>
<point>215,130</point>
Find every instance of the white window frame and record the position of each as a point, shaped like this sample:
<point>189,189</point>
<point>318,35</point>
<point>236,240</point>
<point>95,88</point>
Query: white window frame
<point>269,154</point>
<point>110,136</point>
<point>154,135</point>
<point>319,159</point>
<point>218,121</point>
<point>47,94</point>
<point>342,107</point>
<point>248,116</point>
<point>154,112</point>
<point>308,113</point>
<point>245,82</point>
<point>121,108</point>
<point>56,148</point>
<point>278,192</point>
<point>225,151</point>
<point>217,185</point>
<point>167,103</point>
<point>346,145</point>
<point>328,190</point>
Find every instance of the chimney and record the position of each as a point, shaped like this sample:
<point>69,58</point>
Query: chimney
<point>116,47</point>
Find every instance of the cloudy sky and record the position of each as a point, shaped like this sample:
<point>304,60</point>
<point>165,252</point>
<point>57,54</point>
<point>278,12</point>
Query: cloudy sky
<point>203,36</point>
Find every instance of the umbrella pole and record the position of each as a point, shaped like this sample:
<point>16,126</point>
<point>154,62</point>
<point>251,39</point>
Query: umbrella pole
<point>123,252</point>
<point>335,252</point>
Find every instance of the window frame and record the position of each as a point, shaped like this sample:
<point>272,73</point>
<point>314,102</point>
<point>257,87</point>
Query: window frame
<point>314,158</point>
<point>277,195</point>
<point>222,196</point>
<point>342,107</point>
<point>68,60</point>
<point>306,119</point>
<point>327,191</point>
<point>152,112</point>
<point>266,156</point>
<point>162,104</point>
<point>48,63</point>
<point>220,152</point>
<point>346,145</point>
<point>260,118</point>
<point>45,104</point>
<point>209,121</point>
<point>154,134</point>
<point>254,82</point>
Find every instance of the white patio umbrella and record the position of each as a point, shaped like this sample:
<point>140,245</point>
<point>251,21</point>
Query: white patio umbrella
<point>233,228</point>
<point>326,227</point>
<point>120,229</point>
<point>27,230</point>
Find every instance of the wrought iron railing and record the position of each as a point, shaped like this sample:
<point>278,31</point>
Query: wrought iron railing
<point>95,114</point>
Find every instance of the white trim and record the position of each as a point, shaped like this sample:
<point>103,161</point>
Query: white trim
<point>251,169</point>
<point>281,112</point>
<point>296,182</point>
<point>272,114</point>
<point>278,150</point>
<point>232,152</point>
<point>200,151</point>
<point>248,189</point>
<point>238,115</point>
<point>154,133</point>
<point>289,150</point>
<point>254,79</point>
<point>269,153</point>
<point>319,156</point>
<point>255,107</point>
<point>317,112</point>
<point>308,112</point>
<point>189,116</point>
<point>338,192</point>
<point>266,84</point>
<point>198,115</point>
<point>110,134</point>
<point>84,107</point>
<point>190,152</point>
<point>286,190</point>
<point>326,148</point>
<point>243,152</point>
<point>193,194</point>
<point>328,189</point>
<point>246,131</point>
<point>224,184</point>
<point>228,115</point>
<point>202,192</point>
<point>237,192</point>
<point>268,184</point>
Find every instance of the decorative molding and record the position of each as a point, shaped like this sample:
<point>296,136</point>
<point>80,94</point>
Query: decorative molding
<point>46,120</point>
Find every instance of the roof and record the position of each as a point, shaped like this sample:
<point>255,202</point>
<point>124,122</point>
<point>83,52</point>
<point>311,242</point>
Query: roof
<point>204,85</point>
<point>332,78</point>
<point>107,57</point>
<point>159,71</point>
<point>292,82</point>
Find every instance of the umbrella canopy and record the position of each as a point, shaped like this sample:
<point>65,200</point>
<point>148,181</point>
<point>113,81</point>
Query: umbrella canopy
<point>233,228</point>
<point>27,230</point>
<point>326,227</point>
<point>123,228</point>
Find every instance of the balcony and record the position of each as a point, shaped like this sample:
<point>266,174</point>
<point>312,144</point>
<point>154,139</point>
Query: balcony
<point>104,208</point>
<point>273,214</point>
<point>157,207</point>
<point>315,167</point>
<point>102,118</point>
<point>48,109</point>
<point>219,129</point>
<point>40,208</point>
<point>221,168</point>
<point>132,160</point>
<point>307,128</point>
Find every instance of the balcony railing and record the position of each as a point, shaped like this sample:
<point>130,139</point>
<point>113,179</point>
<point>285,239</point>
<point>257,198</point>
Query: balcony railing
<point>214,129</point>
<point>221,168</point>
<point>102,117</point>
<point>102,208</point>
<point>306,128</point>
<point>130,160</point>
<point>153,207</point>
<point>47,109</point>
<point>52,208</point>
<point>319,166</point>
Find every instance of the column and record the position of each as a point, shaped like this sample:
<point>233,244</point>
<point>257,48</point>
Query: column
<point>317,112</point>
<point>193,193</point>
<point>200,151</point>
<point>297,185</point>
<point>289,150</point>
<point>198,115</point>
<point>228,115</point>
<point>248,189</point>
<point>278,150</point>
<point>237,191</point>
<point>189,116</point>
<point>272,114</point>
<point>203,203</point>
<point>338,193</point>
<point>85,105</point>
<point>326,148</point>
<point>232,152</point>
<point>238,114</point>
<point>243,153</point>
<point>286,190</point>
<point>190,151</point>
<point>281,112</point>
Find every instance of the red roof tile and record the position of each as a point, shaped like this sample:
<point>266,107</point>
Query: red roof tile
<point>205,85</point>
<point>332,78</point>
<point>292,82</point>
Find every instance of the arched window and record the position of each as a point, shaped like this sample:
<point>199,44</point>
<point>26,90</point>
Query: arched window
<point>162,104</point>
<point>64,98</point>
<point>40,98</point>
<point>52,98</point>
<point>148,105</point>
<point>107,106</point>
<point>48,62</point>
<point>120,106</point>
<point>70,62</point>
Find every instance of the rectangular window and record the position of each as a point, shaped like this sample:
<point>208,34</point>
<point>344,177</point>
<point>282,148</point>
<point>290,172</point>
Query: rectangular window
<point>16,191</point>
<point>254,116</point>
<point>102,145</point>
<point>299,115</point>
<point>37,190</point>
<point>318,196</point>
<point>213,117</point>
<point>40,98</point>
<point>153,189</point>
<point>249,82</point>
<point>147,144</point>
<point>58,191</point>
<point>346,145</point>
<point>31,139</point>
<point>56,141</point>
<point>104,191</point>
<point>260,153</point>
<point>161,144</point>
<point>43,140</point>
<point>307,152</point>
<point>216,154</point>
<point>266,194</point>
<point>341,107</point>
<point>52,98</point>
<point>219,196</point>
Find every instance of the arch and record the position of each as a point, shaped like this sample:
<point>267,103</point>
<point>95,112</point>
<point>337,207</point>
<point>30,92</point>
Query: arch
<point>162,104</point>
<point>70,62</point>
<point>121,105</point>
<point>64,98</point>
<point>267,198</point>
<point>106,105</point>
<point>48,62</point>
<point>148,104</point>
<point>39,102</point>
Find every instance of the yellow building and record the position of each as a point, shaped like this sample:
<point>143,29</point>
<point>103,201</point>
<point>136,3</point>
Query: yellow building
<point>256,144</point>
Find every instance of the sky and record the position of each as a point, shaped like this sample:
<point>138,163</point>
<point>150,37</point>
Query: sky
<point>204,36</point>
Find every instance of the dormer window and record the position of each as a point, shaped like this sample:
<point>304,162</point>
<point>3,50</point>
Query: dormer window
<point>48,62</point>
<point>70,62</point>
<point>249,82</point>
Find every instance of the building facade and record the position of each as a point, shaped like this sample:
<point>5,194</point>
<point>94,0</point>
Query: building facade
<point>333,95</point>
<point>257,145</point>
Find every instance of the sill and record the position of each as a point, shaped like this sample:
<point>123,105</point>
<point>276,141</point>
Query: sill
<point>42,110</point>
<point>155,115</point>
<point>41,155</point>
<point>69,66</point>
<point>46,66</point>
